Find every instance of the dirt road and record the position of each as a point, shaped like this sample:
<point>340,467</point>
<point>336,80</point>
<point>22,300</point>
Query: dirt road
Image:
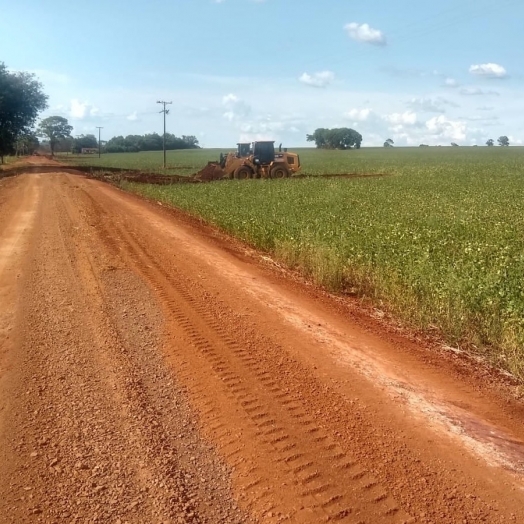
<point>153,371</point>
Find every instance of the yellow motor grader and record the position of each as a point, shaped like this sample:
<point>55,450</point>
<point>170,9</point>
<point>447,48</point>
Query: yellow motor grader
<point>252,160</point>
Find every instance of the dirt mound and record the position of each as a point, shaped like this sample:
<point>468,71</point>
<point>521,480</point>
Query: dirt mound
<point>211,172</point>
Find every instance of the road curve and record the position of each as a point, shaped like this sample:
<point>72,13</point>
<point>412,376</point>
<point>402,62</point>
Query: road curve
<point>152,370</point>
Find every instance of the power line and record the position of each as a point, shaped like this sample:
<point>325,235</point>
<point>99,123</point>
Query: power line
<point>165,111</point>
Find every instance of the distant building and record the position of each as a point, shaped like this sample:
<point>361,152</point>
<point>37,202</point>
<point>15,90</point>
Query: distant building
<point>89,150</point>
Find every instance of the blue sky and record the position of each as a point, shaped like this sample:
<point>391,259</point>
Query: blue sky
<point>416,72</point>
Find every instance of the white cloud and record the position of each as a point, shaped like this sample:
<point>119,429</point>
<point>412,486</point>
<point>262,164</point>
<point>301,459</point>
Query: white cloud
<point>489,70</point>
<point>82,110</point>
<point>359,115</point>
<point>450,82</point>
<point>267,128</point>
<point>231,98</point>
<point>447,129</point>
<point>408,118</point>
<point>235,107</point>
<point>321,79</point>
<point>132,117</point>
<point>365,33</point>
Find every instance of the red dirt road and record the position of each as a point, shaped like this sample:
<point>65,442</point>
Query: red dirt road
<point>152,371</point>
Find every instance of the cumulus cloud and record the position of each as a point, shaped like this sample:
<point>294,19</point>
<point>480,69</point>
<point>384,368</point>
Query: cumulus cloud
<point>409,128</point>
<point>515,141</point>
<point>82,110</point>
<point>366,34</point>
<point>270,128</point>
<point>235,108</point>
<point>450,82</point>
<point>444,128</point>
<point>408,118</point>
<point>489,70</point>
<point>359,115</point>
<point>320,79</point>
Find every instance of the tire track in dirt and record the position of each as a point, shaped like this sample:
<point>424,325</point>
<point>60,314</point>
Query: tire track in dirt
<point>307,459</point>
<point>303,455</point>
<point>97,430</point>
<point>278,420</point>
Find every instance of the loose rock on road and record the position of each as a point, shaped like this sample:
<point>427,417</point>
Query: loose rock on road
<point>153,371</point>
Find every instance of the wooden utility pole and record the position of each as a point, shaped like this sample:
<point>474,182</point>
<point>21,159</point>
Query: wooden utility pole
<point>165,111</point>
<point>99,143</point>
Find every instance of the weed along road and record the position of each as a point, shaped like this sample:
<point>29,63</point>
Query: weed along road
<point>154,371</point>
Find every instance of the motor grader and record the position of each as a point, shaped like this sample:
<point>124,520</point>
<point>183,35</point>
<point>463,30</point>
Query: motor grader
<point>252,160</point>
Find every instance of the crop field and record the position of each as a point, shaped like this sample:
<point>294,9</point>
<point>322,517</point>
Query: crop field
<point>440,243</point>
<point>180,162</point>
<point>314,162</point>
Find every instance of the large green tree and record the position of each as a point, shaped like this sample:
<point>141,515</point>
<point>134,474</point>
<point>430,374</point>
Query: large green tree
<point>26,144</point>
<point>21,100</point>
<point>337,138</point>
<point>503,141</point>
<point>54,129</point>
<point>84,141</point>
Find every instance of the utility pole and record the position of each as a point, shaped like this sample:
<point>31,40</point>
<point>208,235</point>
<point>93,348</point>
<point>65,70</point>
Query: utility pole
<point>99,143</point>
<point>165,111</point>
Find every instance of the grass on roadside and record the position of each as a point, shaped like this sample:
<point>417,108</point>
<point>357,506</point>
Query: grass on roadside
<point>8,160</point>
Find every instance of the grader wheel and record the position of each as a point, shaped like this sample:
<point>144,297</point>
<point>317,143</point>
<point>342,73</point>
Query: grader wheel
<point>279,172</point>
<point>243,172</point>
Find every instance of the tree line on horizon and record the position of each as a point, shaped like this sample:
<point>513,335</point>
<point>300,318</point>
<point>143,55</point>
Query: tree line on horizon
<point>120,144</point>
<point>502,141</point>
<point>149,142</point>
